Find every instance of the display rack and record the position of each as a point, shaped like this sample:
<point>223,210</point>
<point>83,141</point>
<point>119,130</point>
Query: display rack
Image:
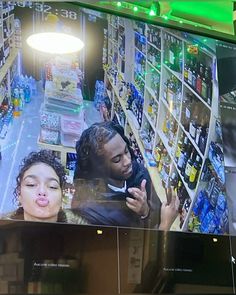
<point>179,102</point>
<point>61,114</point>
<point>8,56</point>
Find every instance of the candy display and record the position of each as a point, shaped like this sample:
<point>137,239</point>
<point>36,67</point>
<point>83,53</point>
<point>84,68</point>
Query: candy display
<point>50,120</point>
<point>49,136</point>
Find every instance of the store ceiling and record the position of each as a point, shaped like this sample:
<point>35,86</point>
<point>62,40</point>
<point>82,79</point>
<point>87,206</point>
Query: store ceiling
<point>214,15</point>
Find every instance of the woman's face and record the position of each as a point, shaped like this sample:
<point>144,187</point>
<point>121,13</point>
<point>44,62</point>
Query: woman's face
<point>40,193</point>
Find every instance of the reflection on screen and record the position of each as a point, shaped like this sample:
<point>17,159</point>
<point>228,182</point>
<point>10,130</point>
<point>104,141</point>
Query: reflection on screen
<point>125,133</point>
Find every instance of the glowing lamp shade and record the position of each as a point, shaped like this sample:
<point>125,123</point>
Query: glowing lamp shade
<point>55,43</point>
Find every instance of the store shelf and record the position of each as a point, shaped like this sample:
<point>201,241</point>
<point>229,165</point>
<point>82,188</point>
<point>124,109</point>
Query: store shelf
<point>171,111</point>
<point>149,120</point>
<point>57,148</point>
<point>192,141</point>
<point>153,67</point>
<point>165,73</point>
<point>176,74</point>
<point>7,65</point>
<point>197,95</point>
<point>144,54</point>
<point>154,46</point>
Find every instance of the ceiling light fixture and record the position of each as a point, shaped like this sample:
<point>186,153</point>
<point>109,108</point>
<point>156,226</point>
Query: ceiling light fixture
<point>53,40</point>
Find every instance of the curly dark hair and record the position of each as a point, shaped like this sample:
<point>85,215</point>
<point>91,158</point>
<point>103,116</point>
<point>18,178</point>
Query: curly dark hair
<point>43,156</point>
<point>89,149</point>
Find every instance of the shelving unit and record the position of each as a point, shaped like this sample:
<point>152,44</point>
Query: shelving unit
<point>178,103</point>
<point>8,65</point>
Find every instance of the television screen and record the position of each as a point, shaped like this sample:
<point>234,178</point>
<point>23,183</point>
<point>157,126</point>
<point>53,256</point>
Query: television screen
<point>132,130</point>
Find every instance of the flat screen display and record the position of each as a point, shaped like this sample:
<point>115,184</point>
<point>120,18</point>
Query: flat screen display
<point>135,130</point>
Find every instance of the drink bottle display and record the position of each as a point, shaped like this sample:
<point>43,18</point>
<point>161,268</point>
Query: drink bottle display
<point>180,162</point>
<point>194,173</point>
<point>188,168</point>
<point>170,92</point>
<point>154,56</point>
<point>154,36</point>
<point>155,83</point>
<point>173,48</point>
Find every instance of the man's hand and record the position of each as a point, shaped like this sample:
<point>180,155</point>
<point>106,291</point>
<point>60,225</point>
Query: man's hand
<point>138,203</point>
<point>169,213</point>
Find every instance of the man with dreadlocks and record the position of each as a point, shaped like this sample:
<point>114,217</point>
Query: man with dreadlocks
<point>104,152</point>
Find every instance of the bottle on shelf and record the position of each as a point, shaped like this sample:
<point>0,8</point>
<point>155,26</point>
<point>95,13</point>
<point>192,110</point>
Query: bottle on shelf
<point>188,167</point>
<point>208,77</point>
<point>194,173</point>
<point>183,148</point>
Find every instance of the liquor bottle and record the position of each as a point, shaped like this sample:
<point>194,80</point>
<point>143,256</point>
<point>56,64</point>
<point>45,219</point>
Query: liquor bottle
<point>164,124</point>
<point>174,180</point>
<point>172,53</point>
<point>208,77</point>
<point>178,148</point>
<point>194,74</point>
<point>199,79</point>
<point>158,152</point>
<point>204,86</point>
<point>186,72</point>
<point>194,173</point>
<point>190,72</point>
<point>193,123</point>
<point>181,156</point>
<point>171,133</point>
<point>166,49</point>
<point>5,29</point>
<point>198,133</point>
<point>188,167</point>
<point>185,160</point>
<point>186,110</point>
<point>162,159</point>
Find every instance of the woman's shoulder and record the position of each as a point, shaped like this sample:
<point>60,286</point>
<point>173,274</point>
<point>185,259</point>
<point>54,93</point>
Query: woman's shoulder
<point>14,215</point>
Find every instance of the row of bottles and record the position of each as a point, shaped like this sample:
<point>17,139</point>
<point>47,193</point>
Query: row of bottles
<point>174,127</point>
<point>6,115</point>
<point>199,76</point>
<point>154,82</point>
<point>169,129</point>
<point>135,102</point>
<point>177,184</point>
<point>172,93</point>
<point>140,42</point>
<point>188,162</point>
<point>139,65</point>
<point>139,27</point>
<point>119,114</point>
<point>147,135</point>
<point>135,147</point>
<point>173,52</point>
<point>154,56</point>
<point>154,36</point>
<point>171,179</point>
<point>152,110</point>
<point>195,119</point>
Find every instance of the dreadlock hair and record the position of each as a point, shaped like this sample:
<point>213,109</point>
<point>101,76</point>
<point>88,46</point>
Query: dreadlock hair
<point>43,156</point>
<point>89,149</point>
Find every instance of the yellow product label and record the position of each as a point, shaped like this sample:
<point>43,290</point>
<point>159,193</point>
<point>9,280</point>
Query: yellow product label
<point>158,157</point>
<point>186,74</point>
<point>178,152</point>
<point>149,109</point>
<point>164,127</point>
<point>193,174</point>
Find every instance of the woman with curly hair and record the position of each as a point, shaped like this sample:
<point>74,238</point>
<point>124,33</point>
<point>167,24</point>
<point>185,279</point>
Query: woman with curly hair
<point>39,190</point>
